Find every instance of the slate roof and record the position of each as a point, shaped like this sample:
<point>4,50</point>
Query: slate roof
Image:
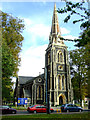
<point>24,79</point>
<point>28,79</point>
<point>41,76</point>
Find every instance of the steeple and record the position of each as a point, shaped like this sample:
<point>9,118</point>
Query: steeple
<point>55,24</point>
<point>55,30</point>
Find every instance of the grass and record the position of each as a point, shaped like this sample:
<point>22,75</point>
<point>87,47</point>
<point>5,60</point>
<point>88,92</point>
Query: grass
<point>80,116</point>
<point>19,108</point>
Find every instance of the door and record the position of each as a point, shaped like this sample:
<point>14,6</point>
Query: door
<point>44,109</point>
<point>60,100</point>
<point>39,109</point>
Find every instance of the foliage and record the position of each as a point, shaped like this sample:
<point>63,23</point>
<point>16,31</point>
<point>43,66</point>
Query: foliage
<point>11,47</point>
<point>79,73</point>
<point>78,9</point>
<point>80,58</point>
<point>11,34</point>
<point>7,71</point>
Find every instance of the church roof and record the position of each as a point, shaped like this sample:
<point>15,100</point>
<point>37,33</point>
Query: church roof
<point>40,76</point>
<point>24,79</point>
<point>28,79</point>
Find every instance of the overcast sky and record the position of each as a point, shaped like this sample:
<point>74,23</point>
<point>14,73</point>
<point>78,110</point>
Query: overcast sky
<point>37,18</point>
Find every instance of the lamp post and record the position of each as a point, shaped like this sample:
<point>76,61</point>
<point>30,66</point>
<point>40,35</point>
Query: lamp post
<point>47,94</point>
<point>48,103</point>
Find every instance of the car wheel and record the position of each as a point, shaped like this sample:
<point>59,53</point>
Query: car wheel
<point>29,111</point>
<point>13,112</point>
<point>35,112</point>
<point>67,111</point>
<point>80,110</point>
<point>50,111</point>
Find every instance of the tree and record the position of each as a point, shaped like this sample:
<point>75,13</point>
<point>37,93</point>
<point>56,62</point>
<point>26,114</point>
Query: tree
<point>11,47</point>
<point>80,57</point>
<point>79,74</point>
<point>7,71</point>
<point>72,9</point>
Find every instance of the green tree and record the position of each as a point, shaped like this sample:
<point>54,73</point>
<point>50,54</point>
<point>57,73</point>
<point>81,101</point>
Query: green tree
<point>80,57</point>
<point>11,47</point>
<point>79,74</point>
<point>83,13</point>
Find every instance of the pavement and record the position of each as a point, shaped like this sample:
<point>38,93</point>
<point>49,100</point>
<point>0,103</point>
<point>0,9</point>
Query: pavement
<point>58,108</point>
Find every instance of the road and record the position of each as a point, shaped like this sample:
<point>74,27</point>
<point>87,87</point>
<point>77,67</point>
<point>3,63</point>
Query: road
<point>25,112</point>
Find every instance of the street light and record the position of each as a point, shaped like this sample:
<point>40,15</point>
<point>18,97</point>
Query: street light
<point>47,94</point>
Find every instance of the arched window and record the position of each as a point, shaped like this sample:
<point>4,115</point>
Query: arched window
<point>60,56</point>
<point>55,83</point>
<point>59,82</point>
<point>62,82</point>
<point>39,92</point>
<point>48,58</point>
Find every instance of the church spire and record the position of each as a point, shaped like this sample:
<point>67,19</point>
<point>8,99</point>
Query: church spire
<point>55,33</point>
<point>55,25</point>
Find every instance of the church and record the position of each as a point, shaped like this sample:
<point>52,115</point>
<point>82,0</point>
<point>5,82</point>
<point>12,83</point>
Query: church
<point>56,80</point>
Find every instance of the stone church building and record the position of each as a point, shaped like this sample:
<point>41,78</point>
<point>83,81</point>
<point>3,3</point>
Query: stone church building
<point>56,79</point>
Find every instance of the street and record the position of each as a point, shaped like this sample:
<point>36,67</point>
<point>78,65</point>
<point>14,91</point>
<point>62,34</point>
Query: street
<point>25,112</point>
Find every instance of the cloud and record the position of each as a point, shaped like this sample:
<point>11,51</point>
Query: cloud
<point>40,30</point>
<point>1,6</point>
<point>64,31</point>
<point>32,61</point>
<point>36,30</point>
<point>70,37</point>
<point>70,44</point>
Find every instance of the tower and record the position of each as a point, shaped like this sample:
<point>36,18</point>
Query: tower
<point>57,67</point>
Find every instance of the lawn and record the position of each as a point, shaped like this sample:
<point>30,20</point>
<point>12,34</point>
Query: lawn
<point>79,116</point>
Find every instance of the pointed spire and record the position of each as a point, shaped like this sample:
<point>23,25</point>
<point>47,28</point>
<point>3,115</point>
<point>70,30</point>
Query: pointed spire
<point>55,25</point>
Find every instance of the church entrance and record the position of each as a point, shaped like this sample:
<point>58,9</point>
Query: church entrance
<point>60,100</point>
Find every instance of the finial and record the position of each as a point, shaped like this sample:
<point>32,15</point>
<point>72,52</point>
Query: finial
<point>55,6</point>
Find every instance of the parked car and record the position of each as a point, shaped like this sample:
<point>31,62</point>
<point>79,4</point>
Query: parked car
<point>70,108</point>
<point>38,109</point>
<point>7,109</point>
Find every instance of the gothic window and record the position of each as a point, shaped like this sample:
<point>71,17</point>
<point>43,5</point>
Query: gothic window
<point>39,92</point>
<point>48,58</point>
<point>59,82</point>
<point>39,80</point>
<point>62,82</point>
<point>60,57</point>
<point>60,67</point>
<point>56,97</point>
<point>55,83</point>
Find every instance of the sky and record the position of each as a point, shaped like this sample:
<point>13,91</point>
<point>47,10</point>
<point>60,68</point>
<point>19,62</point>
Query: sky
<point>37,18</point>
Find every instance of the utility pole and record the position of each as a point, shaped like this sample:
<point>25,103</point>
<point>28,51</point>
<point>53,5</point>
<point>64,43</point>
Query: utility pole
<point>47,94</point>
<point>48,103</point>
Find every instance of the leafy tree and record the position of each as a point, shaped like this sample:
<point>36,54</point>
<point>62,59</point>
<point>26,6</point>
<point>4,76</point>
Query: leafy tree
<point>78,9</point>
<point>79,74</point>
<point>81,57</point>
<point>11,47</point>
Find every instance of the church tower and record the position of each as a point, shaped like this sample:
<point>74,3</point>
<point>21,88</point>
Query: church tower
<point>58,82</point>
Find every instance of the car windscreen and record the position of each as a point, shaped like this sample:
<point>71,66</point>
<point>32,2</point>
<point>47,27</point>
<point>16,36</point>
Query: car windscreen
<point>32,106</point>
<point>43,106</point>
<point>5,106</point>
<point>63,105</point>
